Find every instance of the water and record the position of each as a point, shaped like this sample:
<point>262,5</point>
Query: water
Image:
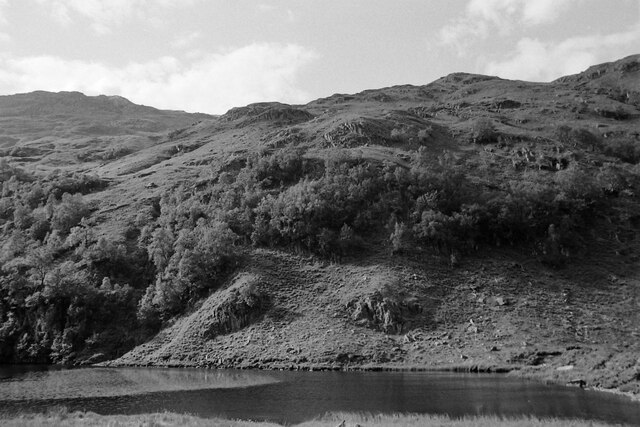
<point>293,397</point>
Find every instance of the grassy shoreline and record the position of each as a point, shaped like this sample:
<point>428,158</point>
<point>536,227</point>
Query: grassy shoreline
<point>63,418</point>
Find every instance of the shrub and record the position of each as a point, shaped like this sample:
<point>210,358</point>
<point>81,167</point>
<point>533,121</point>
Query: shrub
<point>483,131</point>
<point>626,150</point>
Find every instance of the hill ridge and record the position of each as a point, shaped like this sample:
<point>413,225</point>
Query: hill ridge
<point>471,223</point>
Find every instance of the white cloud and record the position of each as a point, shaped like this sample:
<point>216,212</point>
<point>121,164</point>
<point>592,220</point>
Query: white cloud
<point>212,83</point>
<point>105,14</point>
<point>546,61</point>
<point>543,11</point>
<point>4,37</point>
<point>3,5</point>
<point>485,17</point>
<point>504,12</point>
<point>492,10</point>
<point>283,13</point>
<point>264,7</point>
<point>462,33</point>
<point>186,40</point>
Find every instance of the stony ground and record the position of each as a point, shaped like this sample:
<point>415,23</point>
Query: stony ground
<point>497,313</point>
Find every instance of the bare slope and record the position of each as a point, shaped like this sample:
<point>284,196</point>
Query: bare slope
<point>492,313</point>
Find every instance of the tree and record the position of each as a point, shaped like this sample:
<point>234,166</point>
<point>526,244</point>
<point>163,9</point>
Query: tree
<point>40,260</point>
<point>50,206</point>
<point>160,248</point>
<point>148,313</point>
<point>22,218</point>
<point>69,212</point>
<point>35,196</point>
<point>399,238</point>
<point>40,226</point>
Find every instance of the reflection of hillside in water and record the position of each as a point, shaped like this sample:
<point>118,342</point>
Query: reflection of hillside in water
<point>103,382</point>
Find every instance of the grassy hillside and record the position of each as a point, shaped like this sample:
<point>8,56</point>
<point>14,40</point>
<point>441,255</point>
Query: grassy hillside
<point>472,223</point>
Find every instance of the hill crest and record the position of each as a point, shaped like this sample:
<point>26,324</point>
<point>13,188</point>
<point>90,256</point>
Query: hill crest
<point>471,223</point>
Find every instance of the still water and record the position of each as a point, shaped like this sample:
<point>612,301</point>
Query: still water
<point>293,397</point>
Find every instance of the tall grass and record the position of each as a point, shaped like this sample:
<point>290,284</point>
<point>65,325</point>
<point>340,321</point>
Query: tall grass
<point>60,417</point>
<point>427,420</point>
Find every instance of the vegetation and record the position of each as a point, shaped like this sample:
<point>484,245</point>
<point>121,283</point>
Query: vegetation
<point>60,277</point>
<point>63,418</point>
<point>538,177</point>
<point>483,131</point>
<point>58,280</point>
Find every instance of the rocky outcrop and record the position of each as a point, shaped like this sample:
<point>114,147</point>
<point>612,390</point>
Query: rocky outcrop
<point>236,308</point>
<point>357,132</point>
<point>268,112</point>
<point>224,312</point>
<point>387,314</point>
<point>506,104</point>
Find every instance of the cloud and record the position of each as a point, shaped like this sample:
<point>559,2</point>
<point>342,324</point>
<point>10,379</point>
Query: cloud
<point>105,14</point>
<point>212,83</point>
<point>545,61</point>
<point>544,11</point>
<point>3,20</point>
<point>285,13</point>
<point>291,16</point>
<point>502,12</point>
<point>485,17</point>
<point>264,7</point>
<point>186,40</point>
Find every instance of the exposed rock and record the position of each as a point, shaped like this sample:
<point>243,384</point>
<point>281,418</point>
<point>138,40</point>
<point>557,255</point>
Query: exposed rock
<point>239,306</point>
<point>269,111</point>
<point>579,382</point>
<point>384,313</point>
<point>422,112</point>
<point>497,301</point>
<point>357,132</point>
<point>507,104</point>
<point>564,368</point>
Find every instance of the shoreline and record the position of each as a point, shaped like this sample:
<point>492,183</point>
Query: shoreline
<point>474,368</point>
<point>345,419</point>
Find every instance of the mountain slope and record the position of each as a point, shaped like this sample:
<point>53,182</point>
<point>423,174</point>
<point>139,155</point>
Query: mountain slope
<point>74,131</point>
<point>473,223</point>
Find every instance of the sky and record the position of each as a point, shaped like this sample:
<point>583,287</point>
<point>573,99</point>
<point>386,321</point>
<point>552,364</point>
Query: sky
<point>211,55</point>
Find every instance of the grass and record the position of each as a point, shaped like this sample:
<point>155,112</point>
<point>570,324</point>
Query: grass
<point>63,418</point>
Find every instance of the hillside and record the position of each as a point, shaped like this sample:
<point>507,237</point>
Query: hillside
<point>471,223</point>
<point>72,131</point>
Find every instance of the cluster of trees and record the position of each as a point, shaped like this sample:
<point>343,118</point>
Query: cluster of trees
<point>55,281</point>
<point>61,275</point>
<point>189,262</point>
<point>333,205</point>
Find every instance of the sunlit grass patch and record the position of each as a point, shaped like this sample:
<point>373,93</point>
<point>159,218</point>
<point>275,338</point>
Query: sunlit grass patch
<point>61,417</point>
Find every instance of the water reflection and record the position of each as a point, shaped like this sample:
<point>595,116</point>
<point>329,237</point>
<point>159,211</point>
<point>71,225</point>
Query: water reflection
<point>104,382</point>
<point>293,397</point>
